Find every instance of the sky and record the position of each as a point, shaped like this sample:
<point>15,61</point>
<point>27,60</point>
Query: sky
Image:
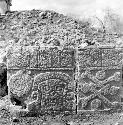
<point>81,8</point>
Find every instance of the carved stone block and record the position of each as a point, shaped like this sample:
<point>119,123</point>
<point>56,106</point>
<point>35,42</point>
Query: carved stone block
<point>33,60</point>
<point>111,57</point>
<point>53,92</point>
<point>46,83</point>
<point>90,57</point>
<point>51,80</point>
<point>42,58</point>
<point>99,85</point>
<point>20,83</point>
<point>18,58</point>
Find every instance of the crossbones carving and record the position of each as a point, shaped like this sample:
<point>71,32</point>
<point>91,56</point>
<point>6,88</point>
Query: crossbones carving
<point>100,84</point>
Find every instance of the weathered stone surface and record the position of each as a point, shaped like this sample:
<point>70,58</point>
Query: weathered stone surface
<point>99,78</point>
<point>90,57</point>
<point>53,91</point>
<point>40,58</point>
<point>20,83</point>
<point>42,78</point>
<point>51,71</point>
<point>51,84</point>
<point>111,57</point>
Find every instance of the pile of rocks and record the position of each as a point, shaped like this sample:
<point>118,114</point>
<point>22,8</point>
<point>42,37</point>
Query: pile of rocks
<point>37,27</point>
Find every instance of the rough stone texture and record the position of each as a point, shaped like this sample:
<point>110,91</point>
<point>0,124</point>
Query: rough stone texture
<point>41,58</point>
<point>38,27</point>
<point>100,78</point>
<point>41,27</point>
<point>60,85</point>
<point>52,73</point>
<point>44,51</point>
<point>20,83</point>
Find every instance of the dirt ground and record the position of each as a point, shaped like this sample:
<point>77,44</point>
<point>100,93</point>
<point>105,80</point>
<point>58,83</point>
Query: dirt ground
<point>111,119</point>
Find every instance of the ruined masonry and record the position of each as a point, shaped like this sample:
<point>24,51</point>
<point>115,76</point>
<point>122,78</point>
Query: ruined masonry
<point>54,81</point>
<point>45,72</point>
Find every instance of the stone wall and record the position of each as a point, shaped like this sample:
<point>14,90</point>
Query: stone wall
<point>54,80</point>
<point>43,77</point>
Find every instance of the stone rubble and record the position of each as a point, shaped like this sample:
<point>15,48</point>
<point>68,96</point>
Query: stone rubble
<point>45,28</point>
<point>38,27</point>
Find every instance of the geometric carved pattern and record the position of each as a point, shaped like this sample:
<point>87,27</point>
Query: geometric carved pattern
<point>92,87</point>
<point>45,77</point>
<point>99,78</point>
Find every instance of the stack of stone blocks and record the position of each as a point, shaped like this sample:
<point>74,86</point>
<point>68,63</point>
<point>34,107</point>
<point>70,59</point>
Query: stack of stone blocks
<point>54,80</point>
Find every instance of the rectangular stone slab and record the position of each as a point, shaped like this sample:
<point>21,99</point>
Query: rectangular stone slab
<point>99,78</point>
<point>52,71</point>
<point>42,58</point>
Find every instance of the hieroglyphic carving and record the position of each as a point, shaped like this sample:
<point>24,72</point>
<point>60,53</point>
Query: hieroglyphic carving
<point>53,91</point>
<point>90,57</point>
<point>33,57</point>
<point>67,58</point>
<point>44,60</point>
<point>55,58</point>
<point>53,71</point>
<point>111,57</point>
<point>18,58</point>
<point>53,88</point>
<point>41,58</point>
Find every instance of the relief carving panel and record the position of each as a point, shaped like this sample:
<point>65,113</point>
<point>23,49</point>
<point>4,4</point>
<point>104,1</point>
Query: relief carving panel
<point>43,78</point>
<point>46,83</point>
<point>40,58</point>
<point>53,92</point>
<point>99,85</point>
<point>90,57</point>
<point>99,89</point>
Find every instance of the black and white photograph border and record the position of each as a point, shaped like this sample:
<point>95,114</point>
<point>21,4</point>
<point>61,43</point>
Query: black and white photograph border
<point>61,62</point>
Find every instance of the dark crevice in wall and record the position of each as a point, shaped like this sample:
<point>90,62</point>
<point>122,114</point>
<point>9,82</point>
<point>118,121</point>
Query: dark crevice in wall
<point>3,80</point>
